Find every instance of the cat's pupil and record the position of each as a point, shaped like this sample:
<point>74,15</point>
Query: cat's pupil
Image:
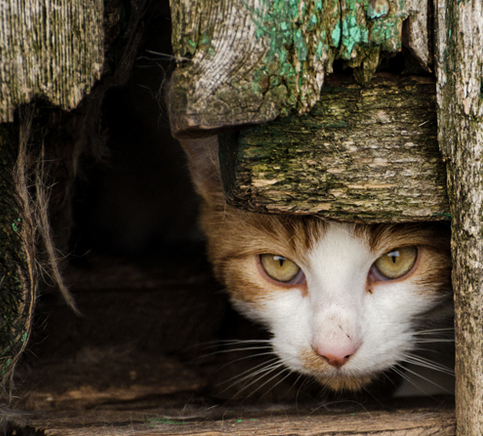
<point>394,255</point>
<point>279,268</point>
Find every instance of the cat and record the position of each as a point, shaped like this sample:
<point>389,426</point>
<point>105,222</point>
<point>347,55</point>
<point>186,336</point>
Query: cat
<point>344,302</point>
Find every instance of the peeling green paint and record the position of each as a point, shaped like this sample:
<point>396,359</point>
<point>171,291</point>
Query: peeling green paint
<point>296,44</point>
<point>192,44</point>
<point>336,35</point>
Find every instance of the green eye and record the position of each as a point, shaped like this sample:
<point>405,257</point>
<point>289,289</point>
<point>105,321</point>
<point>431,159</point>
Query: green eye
<point>279,268</point>
<point>397,262</point>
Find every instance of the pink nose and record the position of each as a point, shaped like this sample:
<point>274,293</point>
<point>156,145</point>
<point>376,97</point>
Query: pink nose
<point>336,357</point>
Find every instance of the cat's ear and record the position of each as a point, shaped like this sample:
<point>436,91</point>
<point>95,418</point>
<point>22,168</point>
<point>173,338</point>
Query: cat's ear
<point>204,166</point>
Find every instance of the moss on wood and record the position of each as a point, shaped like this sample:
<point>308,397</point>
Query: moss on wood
<point>367,154</point>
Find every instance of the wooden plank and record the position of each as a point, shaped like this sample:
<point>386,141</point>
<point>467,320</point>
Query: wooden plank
<point>362,154</point>
<point>247,61</point>
<point>53,50</point>
<point>460,119</point>
<point>241,421</point>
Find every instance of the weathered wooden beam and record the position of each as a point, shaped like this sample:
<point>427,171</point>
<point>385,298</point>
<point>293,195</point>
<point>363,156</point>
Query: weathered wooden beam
<point>53,50</point>
<point>367,154</point>
<point>459,37</point>
<point>248,61</point>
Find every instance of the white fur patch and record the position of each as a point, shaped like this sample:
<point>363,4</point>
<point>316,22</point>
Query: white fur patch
<point>338,313</point>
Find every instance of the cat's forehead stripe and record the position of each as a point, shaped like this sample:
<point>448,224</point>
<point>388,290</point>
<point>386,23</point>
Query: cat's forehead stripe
<point>385,237</point>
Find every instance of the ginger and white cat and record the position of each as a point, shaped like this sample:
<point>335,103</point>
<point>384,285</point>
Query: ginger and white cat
<point>344,302</point>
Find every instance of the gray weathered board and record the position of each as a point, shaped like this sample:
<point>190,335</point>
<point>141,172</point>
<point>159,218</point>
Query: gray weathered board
<point>244,422</point>
<point>51,50</point>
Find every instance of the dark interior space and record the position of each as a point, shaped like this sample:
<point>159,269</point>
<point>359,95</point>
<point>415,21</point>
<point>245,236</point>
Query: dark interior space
<point>151,316</point>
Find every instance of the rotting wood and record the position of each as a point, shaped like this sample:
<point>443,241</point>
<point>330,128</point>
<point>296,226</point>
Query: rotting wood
<point>52,50</point>
<point>366,154</point>
<point>459,37</point>
<point>246,62</point>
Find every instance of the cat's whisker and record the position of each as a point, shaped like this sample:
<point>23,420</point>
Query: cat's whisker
<point>277,374</point>
<point>432,331</point>
<point>400,371</point>
<point>248,347</point>
<point>244,341</point>
<point>252,372</point>
<point>260,374</point>
<point>433,341</point>
<point>422,378</point>
<point>426,363</point>
<point>230,342</point>
<point>290,372</point>
<point>296,381</point>
<point>236,350</point>
<point>251,356</point>
<point>388,378</point>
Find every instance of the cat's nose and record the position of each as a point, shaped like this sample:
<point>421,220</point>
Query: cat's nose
<point>336,357</point>
<point>335,361</point>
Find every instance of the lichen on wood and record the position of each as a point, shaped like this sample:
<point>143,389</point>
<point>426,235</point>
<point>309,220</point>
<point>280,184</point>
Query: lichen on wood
<point>249,61</point>
<point>53,50</point>
<point>362,154</point>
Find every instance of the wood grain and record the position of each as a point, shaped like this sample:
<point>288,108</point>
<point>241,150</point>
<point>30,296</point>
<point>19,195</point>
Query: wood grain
<point>49,50</point>
<point>460,119</point>
<point>238,421</point>
<point>362,154</point>
<point>245,62</point>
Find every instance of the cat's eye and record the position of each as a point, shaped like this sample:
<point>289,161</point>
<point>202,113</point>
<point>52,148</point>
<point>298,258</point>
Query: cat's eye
<point>281,269</point>
<point>396,263</point>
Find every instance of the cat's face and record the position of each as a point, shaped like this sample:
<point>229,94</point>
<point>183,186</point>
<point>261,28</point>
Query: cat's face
<point>343,302</point>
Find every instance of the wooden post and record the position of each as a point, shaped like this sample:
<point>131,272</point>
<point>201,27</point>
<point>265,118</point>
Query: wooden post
<point>460,112</point>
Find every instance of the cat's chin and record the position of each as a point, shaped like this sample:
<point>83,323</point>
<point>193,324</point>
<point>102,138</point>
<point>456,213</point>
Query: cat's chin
<point>344,383</point>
